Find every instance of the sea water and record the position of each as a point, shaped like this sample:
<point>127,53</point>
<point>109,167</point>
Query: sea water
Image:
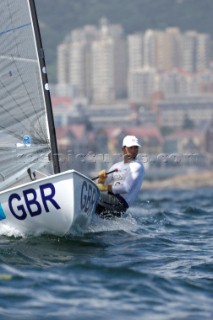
<point>154,263</point>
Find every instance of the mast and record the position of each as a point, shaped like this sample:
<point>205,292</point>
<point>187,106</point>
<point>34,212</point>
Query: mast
<point>46,91</point>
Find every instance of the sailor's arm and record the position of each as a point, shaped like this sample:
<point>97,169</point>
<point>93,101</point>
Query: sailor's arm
<point>125,186</point>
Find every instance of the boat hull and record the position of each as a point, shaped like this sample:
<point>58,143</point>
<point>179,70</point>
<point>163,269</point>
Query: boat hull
<point>52,205</point>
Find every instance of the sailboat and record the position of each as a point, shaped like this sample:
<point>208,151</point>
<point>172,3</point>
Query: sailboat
<point>35,196</point>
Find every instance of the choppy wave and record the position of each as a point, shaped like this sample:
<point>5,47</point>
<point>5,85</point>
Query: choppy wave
<point>154,263</point>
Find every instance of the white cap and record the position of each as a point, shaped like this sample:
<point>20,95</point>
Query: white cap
<point>130,141</point>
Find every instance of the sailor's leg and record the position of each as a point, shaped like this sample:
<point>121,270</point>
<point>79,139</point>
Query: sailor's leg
<point>110,206</point>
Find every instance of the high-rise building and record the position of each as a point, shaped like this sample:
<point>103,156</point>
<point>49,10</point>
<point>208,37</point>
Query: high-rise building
<point>189,45</point>
<point>173,50</point>
<point>100,64</point>
<point>196,51</point>
<point>142,84</point>
<point>109,63</point>
<point>94,62</point>
<point>172,83</point>
<point>149,48</point>
<point>168,49</point>
<point>135,51</point>
<point>103,82</point>
<point>203,51</point>
<point>63,63</point>
<point>80,73</point>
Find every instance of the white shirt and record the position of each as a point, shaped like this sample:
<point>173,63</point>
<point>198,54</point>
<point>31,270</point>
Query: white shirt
<point>127,180</point>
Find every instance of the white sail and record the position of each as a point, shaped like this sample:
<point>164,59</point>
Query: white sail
<point>60,201</point>
<point>24,132</point>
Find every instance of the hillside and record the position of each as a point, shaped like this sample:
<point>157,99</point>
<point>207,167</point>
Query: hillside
<point>57,18</point>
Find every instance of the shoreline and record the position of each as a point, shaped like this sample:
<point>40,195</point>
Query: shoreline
<point>182,181</point>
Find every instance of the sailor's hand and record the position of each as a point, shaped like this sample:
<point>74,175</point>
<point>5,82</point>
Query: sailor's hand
<point>102,176</point>
<point>102,187</point>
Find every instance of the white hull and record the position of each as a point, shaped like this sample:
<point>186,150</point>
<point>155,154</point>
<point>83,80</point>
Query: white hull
<point>52,205</point>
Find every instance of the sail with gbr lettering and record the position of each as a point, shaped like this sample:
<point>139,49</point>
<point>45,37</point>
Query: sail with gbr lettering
<point>27,134</point>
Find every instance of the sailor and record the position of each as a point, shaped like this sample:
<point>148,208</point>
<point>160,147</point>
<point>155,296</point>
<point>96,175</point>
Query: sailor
<point>120,189</point>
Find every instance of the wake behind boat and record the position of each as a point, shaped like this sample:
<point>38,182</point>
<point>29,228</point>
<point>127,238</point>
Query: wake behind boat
<point>56,203</point>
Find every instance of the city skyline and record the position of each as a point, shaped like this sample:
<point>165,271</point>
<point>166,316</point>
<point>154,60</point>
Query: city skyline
<point>104,65</point>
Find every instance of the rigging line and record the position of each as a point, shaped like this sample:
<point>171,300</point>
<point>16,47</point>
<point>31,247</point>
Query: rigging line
<point>17,69</point>
<point>31,102</point>
<point>27,93</point>
<point>11,132</point>
<point>41,133</point>
<point>13,99</point>
<point>7,111</point>
<point>1,33</point>
<point>16,28</point>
